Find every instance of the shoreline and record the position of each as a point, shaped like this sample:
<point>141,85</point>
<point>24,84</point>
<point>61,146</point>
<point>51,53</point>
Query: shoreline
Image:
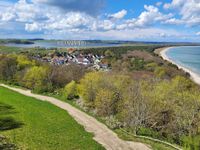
<point>193,75</point>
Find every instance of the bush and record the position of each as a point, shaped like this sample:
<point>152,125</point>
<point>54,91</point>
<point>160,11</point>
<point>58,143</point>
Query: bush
<point>70,90</point>
<point>112,122</point>
<point>36,78</point>
<point>148,132</point>
<point>191,143</point>
<point>8,68</point>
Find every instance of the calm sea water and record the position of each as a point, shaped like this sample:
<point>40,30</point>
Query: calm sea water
<point>186,56</point>
<point>54,44</point>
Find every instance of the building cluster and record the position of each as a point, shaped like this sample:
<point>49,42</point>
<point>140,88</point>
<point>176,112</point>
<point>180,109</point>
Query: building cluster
<point>88,60</point>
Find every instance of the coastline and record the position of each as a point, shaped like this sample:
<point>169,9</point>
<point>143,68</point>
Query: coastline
<point>162,52</point>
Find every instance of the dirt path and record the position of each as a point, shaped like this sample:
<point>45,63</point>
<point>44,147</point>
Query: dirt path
<point>102,134</point>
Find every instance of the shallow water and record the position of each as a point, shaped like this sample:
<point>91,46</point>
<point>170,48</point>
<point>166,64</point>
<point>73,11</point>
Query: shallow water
<point>186,56</point>
<point>55,44</point>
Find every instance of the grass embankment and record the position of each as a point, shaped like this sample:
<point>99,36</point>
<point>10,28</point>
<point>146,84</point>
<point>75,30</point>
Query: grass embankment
<point>42,125</point>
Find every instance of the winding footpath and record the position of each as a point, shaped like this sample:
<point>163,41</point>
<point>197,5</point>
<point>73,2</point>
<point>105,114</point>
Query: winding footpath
<point>102,134</point>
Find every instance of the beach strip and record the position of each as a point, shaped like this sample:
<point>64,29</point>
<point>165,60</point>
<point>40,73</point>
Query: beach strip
<point>194,76</point>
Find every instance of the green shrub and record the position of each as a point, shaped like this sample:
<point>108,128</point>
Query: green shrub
<point>70,90</point>
<point>191,143</point>
<point>148,132</point>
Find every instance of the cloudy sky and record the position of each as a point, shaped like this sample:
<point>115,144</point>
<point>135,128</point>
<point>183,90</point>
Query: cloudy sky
<point>139,20</point>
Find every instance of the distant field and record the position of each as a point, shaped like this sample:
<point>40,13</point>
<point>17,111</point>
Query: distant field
<point>44,126</point>
<point>5,49</point>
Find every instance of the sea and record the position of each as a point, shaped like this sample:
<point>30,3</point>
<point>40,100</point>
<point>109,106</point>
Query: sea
<point>186,56</point>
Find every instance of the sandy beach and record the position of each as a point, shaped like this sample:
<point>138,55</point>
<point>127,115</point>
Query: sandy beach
<point>194,76</point>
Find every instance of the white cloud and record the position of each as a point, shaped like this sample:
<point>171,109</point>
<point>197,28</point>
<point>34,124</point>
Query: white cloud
<point>198,33</point>
<point>121,26</point>
<point>148,34</point>
<point>173,21</point>
<point>32,27</point>
<point>119,15</point>
<point>7,16</point>
<point>37,16</point>
<point>189,11</point>
<point>158,4</point>
<point>174,4</point>
<point>105,25</point>
<point>148,17</point>
<point>41,16</point>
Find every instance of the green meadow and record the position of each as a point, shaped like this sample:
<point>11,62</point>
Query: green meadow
<point>33,124</point>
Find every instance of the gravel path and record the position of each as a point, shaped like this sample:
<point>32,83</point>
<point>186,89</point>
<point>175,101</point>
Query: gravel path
<point>102,134</point>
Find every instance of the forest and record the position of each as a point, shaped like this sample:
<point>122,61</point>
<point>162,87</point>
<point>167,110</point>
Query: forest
<point>142,94</point>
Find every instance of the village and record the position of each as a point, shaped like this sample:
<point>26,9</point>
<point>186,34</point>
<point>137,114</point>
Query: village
<point>72,56</point>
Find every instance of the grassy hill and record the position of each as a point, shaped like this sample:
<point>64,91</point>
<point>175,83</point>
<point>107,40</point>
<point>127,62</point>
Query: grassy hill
<point>40,125</point>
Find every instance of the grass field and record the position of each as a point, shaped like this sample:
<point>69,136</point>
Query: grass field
<point>6,49</point>
<point>40,125</point>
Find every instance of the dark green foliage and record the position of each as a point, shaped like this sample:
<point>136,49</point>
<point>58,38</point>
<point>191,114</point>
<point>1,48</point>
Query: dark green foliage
<point>16,41</point>
<point>137,64</point>
<point>149,132</point>
<point>7,122</point>
<point>8,68</point>
<point>118,51</point>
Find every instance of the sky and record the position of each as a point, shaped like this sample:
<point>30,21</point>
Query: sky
<point>134,20</point>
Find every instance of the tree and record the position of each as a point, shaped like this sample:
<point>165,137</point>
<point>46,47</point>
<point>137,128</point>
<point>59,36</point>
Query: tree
<point>70,90</point>
<point>135,110</point>
<point>160,72</point>
<point>89,86</point>
<point>23,62</point>
<point>109,54</point>
<point>104,102</point>
<point>8,68</point>
<point>62,75</point>
<point>37,79</point>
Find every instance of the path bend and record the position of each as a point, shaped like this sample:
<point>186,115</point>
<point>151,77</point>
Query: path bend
<point>102,134</point>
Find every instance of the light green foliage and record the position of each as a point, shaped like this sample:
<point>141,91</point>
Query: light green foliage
<point>23,61</point>
<point>151,66</point>
<point>160,72</point>
<point>94,84</point>
<point>104,102</point>
<point>36,78</point>
<point>70,90</point>
<point>155,105</point>
<point>89,86</point>
<point>191,143</point>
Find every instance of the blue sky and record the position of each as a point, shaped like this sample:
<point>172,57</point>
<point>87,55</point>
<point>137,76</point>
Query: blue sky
<point>141,20</point>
